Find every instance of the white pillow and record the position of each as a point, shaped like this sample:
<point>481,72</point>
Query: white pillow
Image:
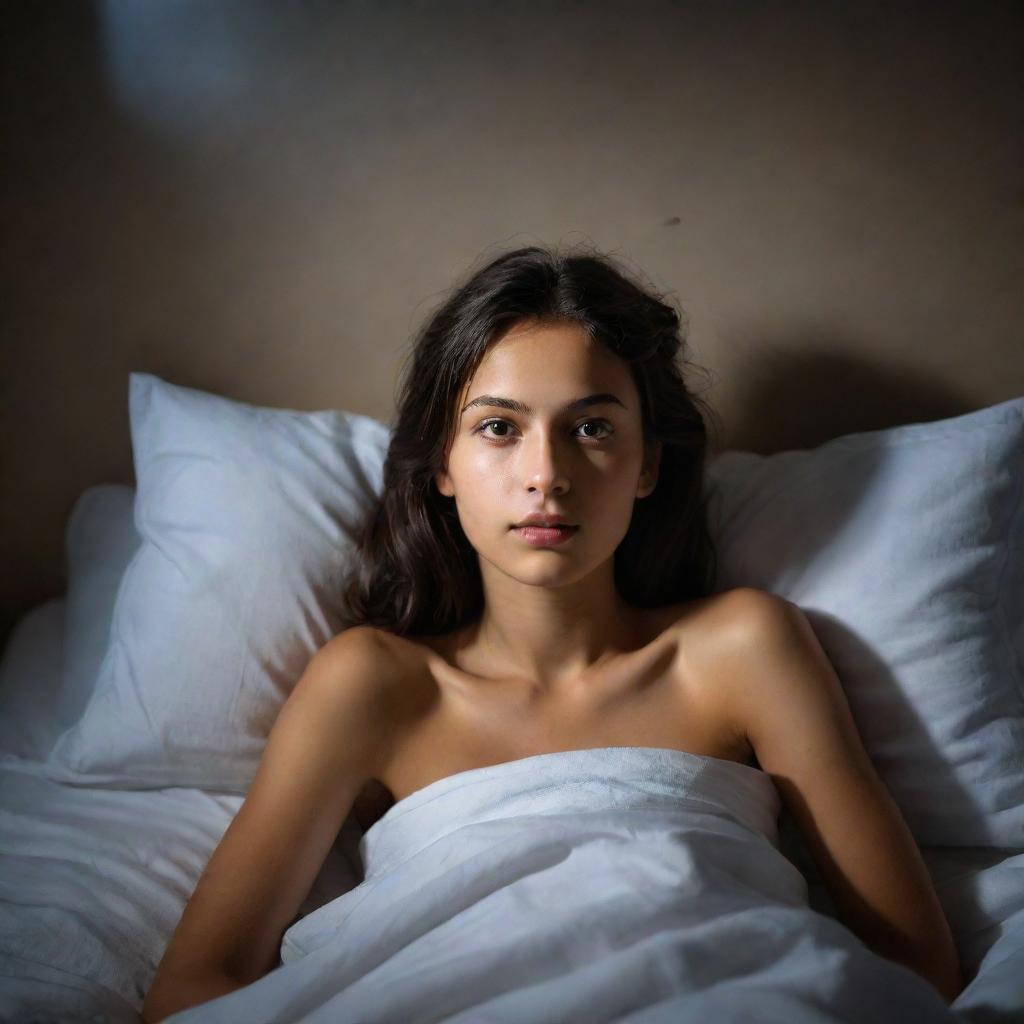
<point>247,516</point>
<point>30,671</point>
<point>100,540</point>
<point>903,546</point>
<point>45,679</point>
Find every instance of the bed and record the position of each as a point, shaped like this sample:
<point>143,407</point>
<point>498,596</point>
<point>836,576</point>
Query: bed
<point>135,706</point>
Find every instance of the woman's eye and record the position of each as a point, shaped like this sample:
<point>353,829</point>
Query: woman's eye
<point>494,423</point>
<point>600,424</point>
<point>597,423</point>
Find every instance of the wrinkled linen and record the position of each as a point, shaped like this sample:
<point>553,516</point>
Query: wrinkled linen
<point>637,884</point>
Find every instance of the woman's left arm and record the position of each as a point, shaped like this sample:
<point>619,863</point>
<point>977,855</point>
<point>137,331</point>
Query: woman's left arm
<point>787,697</point>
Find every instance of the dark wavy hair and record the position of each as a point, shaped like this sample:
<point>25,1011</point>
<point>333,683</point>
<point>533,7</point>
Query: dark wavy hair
<point>414,570</point>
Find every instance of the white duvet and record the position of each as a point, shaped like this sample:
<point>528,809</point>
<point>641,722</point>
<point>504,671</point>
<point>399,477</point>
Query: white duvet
<point>561,911</point>
<point>633,884</point>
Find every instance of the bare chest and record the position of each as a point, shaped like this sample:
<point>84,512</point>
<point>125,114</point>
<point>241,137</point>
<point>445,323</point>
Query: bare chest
<point>654,697</point>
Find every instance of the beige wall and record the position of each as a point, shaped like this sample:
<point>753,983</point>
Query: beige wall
<point>264,200</point>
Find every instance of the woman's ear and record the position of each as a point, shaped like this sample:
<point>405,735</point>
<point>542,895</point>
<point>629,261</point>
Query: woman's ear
<point>649,474</point>
<point>444,484</point>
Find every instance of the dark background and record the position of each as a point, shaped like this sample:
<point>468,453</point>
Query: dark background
<point>264,199</point>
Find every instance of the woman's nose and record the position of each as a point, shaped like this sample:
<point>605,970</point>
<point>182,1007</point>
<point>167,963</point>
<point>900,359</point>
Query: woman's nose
<point>544,466</point>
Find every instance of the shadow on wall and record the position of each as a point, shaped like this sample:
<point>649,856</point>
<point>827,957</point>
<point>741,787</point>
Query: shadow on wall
<point>793,395</point>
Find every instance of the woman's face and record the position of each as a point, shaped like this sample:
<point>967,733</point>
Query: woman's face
<point>585,463</point>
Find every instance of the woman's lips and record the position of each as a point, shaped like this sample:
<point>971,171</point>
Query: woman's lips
<point>545,536</point>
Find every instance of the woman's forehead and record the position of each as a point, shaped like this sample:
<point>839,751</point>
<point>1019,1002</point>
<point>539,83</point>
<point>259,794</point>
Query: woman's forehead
<point>546,361</point>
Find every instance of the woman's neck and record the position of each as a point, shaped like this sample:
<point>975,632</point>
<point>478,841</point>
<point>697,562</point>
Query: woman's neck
<point>551,635</point>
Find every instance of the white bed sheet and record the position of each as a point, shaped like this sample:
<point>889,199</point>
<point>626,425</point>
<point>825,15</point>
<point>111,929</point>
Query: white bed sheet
<point>93,881</point>
<point>92,884</point>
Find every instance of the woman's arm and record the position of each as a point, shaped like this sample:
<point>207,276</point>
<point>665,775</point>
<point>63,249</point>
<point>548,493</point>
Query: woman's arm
<point>328,740</point>
<point>787,697</point>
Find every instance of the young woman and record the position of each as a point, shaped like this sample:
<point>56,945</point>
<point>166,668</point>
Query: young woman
<point>536,577</point>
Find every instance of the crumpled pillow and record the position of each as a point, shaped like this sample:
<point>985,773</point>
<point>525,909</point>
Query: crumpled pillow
<point>247,516</point>
<point>100,541</point>
<point>903,547</point>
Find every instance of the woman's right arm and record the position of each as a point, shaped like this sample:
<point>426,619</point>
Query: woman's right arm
<point>329,739</point>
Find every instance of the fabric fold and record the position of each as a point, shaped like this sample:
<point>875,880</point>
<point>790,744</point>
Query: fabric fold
<point>604,884</point>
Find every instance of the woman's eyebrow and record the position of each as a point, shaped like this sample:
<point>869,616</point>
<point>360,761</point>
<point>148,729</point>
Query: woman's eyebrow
<point>523,409</point>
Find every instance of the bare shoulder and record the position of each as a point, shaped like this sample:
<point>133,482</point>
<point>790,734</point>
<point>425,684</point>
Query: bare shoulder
<point>362,666</point>
<point>709,626</point>
<point>748,613</point>
<point>364,637</point>
<point>720,639</point>
<point>746,605</point>
<point>388,667</point>
<point>363,650</point>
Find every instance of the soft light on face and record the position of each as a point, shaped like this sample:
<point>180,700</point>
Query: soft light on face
<point>549,423</point>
